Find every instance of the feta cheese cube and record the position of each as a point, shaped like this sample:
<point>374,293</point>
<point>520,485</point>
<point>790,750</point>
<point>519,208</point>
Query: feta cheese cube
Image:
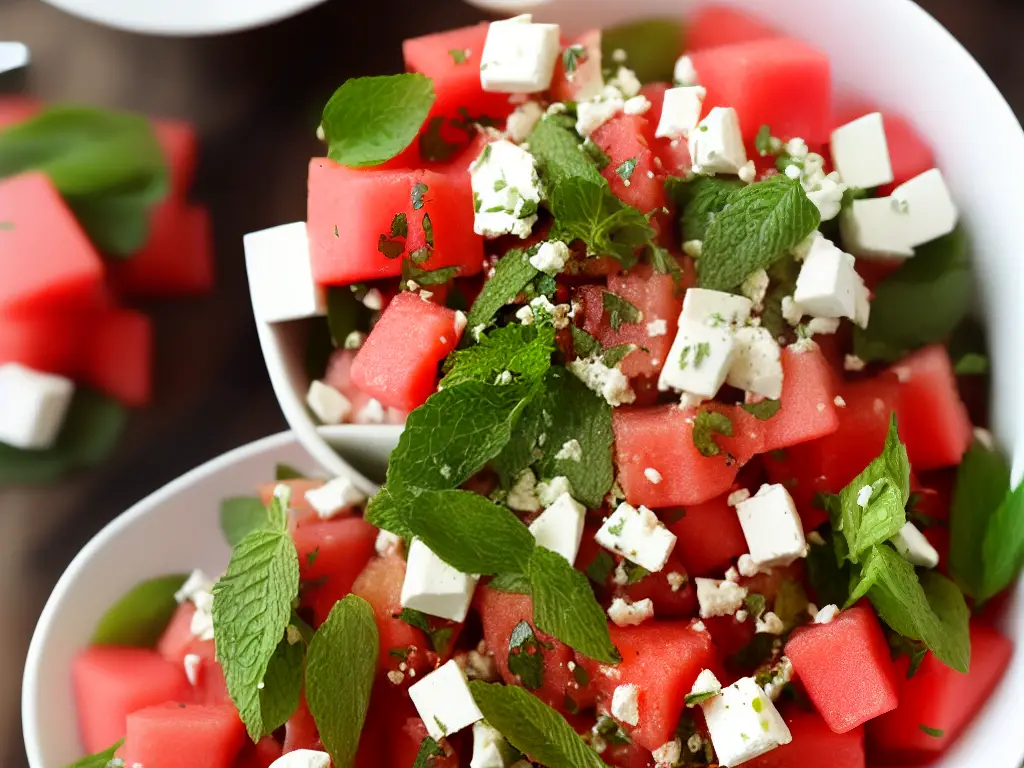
<point>551,257</point>
<point>281,275</point>
<point>743,723</point>
<point>625,704</point>
<point>757,362</point>
<point>626,614</point>
<point>719,597</point>
<point>876,227</point>
<point>32,406</point>
<point>519,56</point>
<point>560,527</point>
<point>681,112</point>
<point>327,403</point>
<point>507,190</point>
<point>388,543</point>
<point>914,547</point>
<point>717,144</point>
<point>638,105</point>
<point>611,383</point>
<point>626,81</point>
<point>303,758</point>
<point>700,359</point>
<point>828,284</point>
<point>827,614</point>
<point>715,308</point>
<point>549,492</point>
<point>192,662</point>
<point>927,206</point>
<point>490,750</point>
<point>335,496</point>
<point>434,587</point>
<point>444,702</point>
<point>523,120</point>
<point>860,152</point>
<point>593,113</point>
<point>683,73</point>
<point>668,754</point>
<point>771,525</point>
<point>706,682</point>
<point>638,535</point>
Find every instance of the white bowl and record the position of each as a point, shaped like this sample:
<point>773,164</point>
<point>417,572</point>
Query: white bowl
<point>174,530</point>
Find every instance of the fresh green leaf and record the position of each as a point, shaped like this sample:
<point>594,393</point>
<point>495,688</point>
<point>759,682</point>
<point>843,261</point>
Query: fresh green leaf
<point>532,727</point>
<point>921,302</point>
<point>760,224</point>
<point>588,211</point>
<point>141,616</point>
<point>572,57</point>
<point>420,276</point>
<point>584,344</point>
<point>345,313</point>
<point>515,583</point>
<point>555,146</point>
<point>609,730</point>
<point>600,568</point>
<point>699,200</point>
<point>240,516</point>
<point>1003,548</point>
<point>830,581</point>
<point>511,275</point>
<point>612,356</point>
<point>634,573</point>
<point>664,262</point>
<point>92,427</point>
<point>340,668</point>
<point>522,350</point>
<point>459,55</point>
<point>428,749</point>
<point>565,607</point>
<point>763,410</point>
<point>626,169</point>
<point>525,656</point>
<point>706,425</point>
<point>693,699</point>
<point>619,310</point>
<point>284,472</point>
<point>651,47</point>
<point>971,364</point>
<point>755,604</point>
<point>100,759</point>
<point>782,277</point>
<point>370,120</point>
<point>282,685</point>
<point>389,509</point>
<point>937,733</point>
<point>597,156</point>
<point>439,638</point>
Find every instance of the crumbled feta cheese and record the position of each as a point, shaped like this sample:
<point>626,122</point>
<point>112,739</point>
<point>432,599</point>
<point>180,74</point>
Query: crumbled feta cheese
<point>371,413</point>
<point>549,492</point>
<point>743,723</point>
<point>756,365</point>
<point>839,402</point>
<point>771,525</point>
<point>927,208</point>
<point>828,285</point>
<point>860,152</point>
<point>625,704</point>
<point>281,276</point>
<point>522,496</point>
<point>781,674</point>
<point>301,758</point>
<point>825,191</point>
<point>192,662</point>
<point>793,172</point>
<point>683,73</point>
<point>490,750</point>
<point>822,326</point>
<point>619,575</point>
<point>705,683</point>
<point>198,589</point>
<point>434,587</point>
<point>523,120</point>
<point>571,450</point>
<point>619,56</point>
<point>699,626</point>
<point>507,188</point>
<point>504,378</point>
<point>444,702</point>
<point>551,257</point>
<point>755,288</point>
<point>519,56</point>
<point>732,575</point>
<point>719,598</point>
<point>875,228</point>
<point>680,113</point>
<point>864,496</point>
<point>700,359</point>
<point>914,547</point>
<point>595,112</point>
<point>748,173</point>
<point>480,665</point>
<point>334,497</point>
<point>652,475</point>
<point>717,144</point>
<point>626,81</point>
<point>792,312</point>
<point>560,527</point>
<point>626,614</point>
<point>748,568</point>
<point>657,328</point>
<point>796,147</point>
<point>638,105</point>
<point>668,754</point>
<point>354,340</point>
<point>769,624</point>
<point>693,248</point>
<point>638,535</point>
<point>33,406</point>
<point>737,496</point>
<point>388,543</point>
<point>826,615</point>
<point>610,383</point>
<point>715,308</point>
<point>373,300</point>
<point>676,580</point>
<point>853,363</point>
<point>525,315</point>
<point>740,616</point>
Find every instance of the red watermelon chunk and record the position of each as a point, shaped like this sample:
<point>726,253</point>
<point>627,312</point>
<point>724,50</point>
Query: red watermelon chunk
<point>759,79</point>
<point>46,258</point>
<point>933,421</point>
<point>300,731</point>
<point>17,109</point>
<point>627,139</point>
<point>117,357</point>
<point>111,682</point>
<point>845,667</point>
<point>178,141</point>
<point>332,553</point>
<point>398,362</point>
<point>807,406</point>
<point>171,735</point>
<point>671,601</point>
<point>812,738</point>
<point>586,80</point>
<point>262,754</point>
<point>708,536</point>
<point>50,343</point>
<point>716,25</point>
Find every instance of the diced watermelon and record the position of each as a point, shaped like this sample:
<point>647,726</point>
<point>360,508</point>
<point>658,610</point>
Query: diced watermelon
<point>177,639</point>
<point>758,79</point>
<point>300,731</point>
<point>654,295</point>
<point>500,612</point>
<point>812,739</point>
<point>178,140</point>
<point>262,754</point>
<point>351,210</point>
<point>716,25</point>
<point>627,139</point>
<point>661,438</point>
<point>46,259</point>
<point>586,81</point>
<point>50,343</point>
<point>662,659</point>
<point>177,259</point>
<point>207,736</point>
<point>808,409</point>
<point>117,357</point>
<point>398,362</point>
<point>111,682</point>
<point>940,698</point>
<point>909,153</point>
<point>708,536</point>
<point>671,601</point>
<point>627,756</point>
<point>332,553</point>
<point>932,420</point>
<point>851,686</point>
<point>301,512</point>
<point>17,109</point>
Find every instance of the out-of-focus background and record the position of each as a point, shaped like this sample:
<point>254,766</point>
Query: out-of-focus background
<point>254,98</point>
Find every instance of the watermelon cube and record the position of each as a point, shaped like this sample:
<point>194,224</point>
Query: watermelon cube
<point>117,356</point>
<point>178,141</point>
<point>300,731</point>
<point>398,363</point>
<point>332,553</point>
<point>807,406</point>
<point>716,25</point>
<point>758,79</point>
<point>178,640</point>
<point>627,139</point>
<point>48,342</point>
<point>812,738</point>
<point>111,682</point>
<point>852,685</point>
<point>172,734</point>
<point>708,536</point>
<point>46,259</point>
<point>585,81</point>
<point>262,754</point>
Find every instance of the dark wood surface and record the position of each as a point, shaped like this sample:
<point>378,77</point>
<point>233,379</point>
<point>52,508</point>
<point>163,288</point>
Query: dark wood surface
<point>255,98</point>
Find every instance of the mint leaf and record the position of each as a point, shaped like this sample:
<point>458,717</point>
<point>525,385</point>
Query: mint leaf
<point>706,425</point>
<point>763,410</point>
<point>938,733</point>
<point>589,212</point>
<point>651,48</point>
<point>428,749</point>
<point>532,727</point>
<point>693,699</point>
<point>522,350</point>
<point>252,605</point>
<point>345,313</point>
<point>555,147</point>
<point>619,310</point>
<point>664,262</point>
<point>515,583</point>
<point>471,533</point>
<point>439,638</point>
<point>634,573</point>
<point>240,516</point>
<point>100,759</point>
<point>699,200</point>
<point>370,120</point>
<point>287,472</point>
<point>565,607</point>
<point>573,57</point>
<point>755,604</point>
<point>830,581</point>
<point>626,169</point>
<point>282,685</point>
<point>511,275</point>
<point>340,668</point>
<point>600,568</point>
<point>782,277</point>
<point>1003,548</point>
<point>141,615</point>
<point>584,344</point>
<point>971,364</point>
<point>760,224</point>
<point>525,656</point>
<point>439,276</point>
<point>388,509</point>
<point>921,302</point>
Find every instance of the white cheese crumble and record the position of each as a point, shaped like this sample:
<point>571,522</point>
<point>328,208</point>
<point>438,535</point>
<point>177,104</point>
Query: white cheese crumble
<point>550,257</point>
<point>657,328</point>
<point>652,475</point>
<point>864,496</point>
<point>198,589</point>
<point>719,598</point>
<point>522,496</point>
<point>507,190</point>
<point>610,383</point>
<point>826,615</point>
<point>571,450</point>
<point>769,624</point>
<point>668,754</point>
<point>853,364</point>
<point>676,580</point>
<point>192,661</point>
<point>626,614</point>
<point>523,120</point>
<point>549,492</point>
<point>625,706</point>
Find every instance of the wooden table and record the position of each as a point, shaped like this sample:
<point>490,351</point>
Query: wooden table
<point>255,98</point>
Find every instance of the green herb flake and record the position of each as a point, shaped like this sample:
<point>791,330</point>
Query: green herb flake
<point>619,310</point>
<point>706,425</point>
<point>415,273</point>
<point>634,573</point>
<point>6,226</point>
<point>389,248</point>
<point>434,147</point>
<point>763,140</point>
<point>600,568</point>
<point>626,170</point>
<point>693,699</point>
<point>459,55</point>
<point>755,604</point>
<point>971,364</point>
<point>937,733</point>
<point>428,230</point>
<point>703,350</point>
<point>525,658</point>
<point>428,749</point>
<point>439,638</point>
<point>611,731</point>
<point>763,410</point>
<point>416,197</point>
<point>400,225</point>
<point>573,57</point>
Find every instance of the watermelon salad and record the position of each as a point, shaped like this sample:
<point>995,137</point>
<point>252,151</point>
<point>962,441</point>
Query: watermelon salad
<point>81,240</point>
<point>694,469</point>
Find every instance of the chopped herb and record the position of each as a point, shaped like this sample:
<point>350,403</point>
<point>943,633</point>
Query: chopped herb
<point>626,169</point>
<point>611,731</point>
<point>705,426</point>
<point>600,568</point>
<point>634,573</point>
<point>619,310</point>
<point>433,145</point>
<point>420,276</point>
<point>336,233</point>
<point>499,185</point>
<point>389,248</point>
<point>418,191</point>
<point>971,364</point>
<point>428,230</point>
<point>420,255</point>
<point>6,225</point>
<point>400,653</point>
<point>702,353</point>
<point>763,410</point>
<point>459,55</point>
<point>684,356</point>
<point>438,637</point>
<point>312,556</point>
<point>399,225</point>
<point>937,733</point>
<point>763,140</point>
<point>477,202</point>
<point>525,658</point>
<point>428,749</point>
<point>573,57</point>
<point>616,530</point>
<point>755,604</point>
<point>580,675</point>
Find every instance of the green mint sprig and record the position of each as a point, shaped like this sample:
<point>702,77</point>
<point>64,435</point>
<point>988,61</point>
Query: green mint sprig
<point>282,684</point>
<point>555,146</point>
<point>240,516</point>
<point>512,274</point>
<point>140,617</point>
<point>589,212</point>
<point>522,350</point>
<point>698,200</point>
<point>100,759</point>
